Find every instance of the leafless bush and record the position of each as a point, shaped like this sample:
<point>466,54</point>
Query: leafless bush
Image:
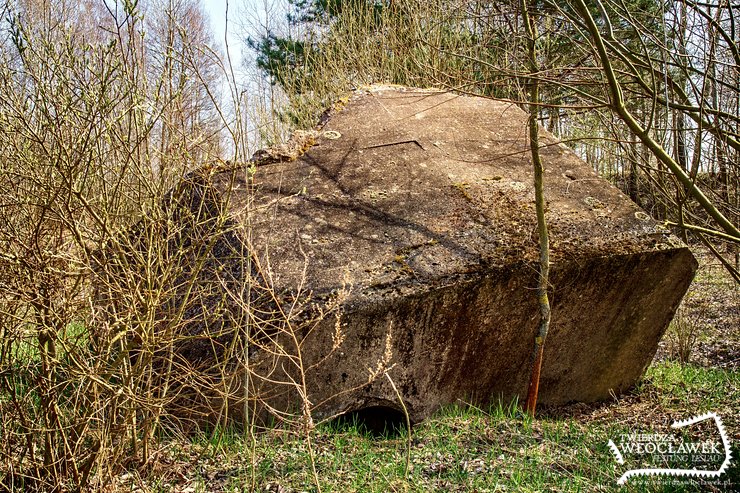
<point>683,334</point>
<point>130,301</point>
<point>86,138</point>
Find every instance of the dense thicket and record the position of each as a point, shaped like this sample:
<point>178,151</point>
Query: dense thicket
<point>102,110</point>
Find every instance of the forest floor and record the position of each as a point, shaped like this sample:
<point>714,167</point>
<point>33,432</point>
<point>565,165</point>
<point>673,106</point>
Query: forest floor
<point>464,448</point>
<point>708,320</point>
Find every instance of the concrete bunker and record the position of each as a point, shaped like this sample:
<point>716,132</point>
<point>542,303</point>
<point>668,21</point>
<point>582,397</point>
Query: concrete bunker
<point>421,201</point>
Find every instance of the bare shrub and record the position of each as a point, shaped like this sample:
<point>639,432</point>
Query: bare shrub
<point>90,141</point>
<point>683,334</point>
<point>131,305</point>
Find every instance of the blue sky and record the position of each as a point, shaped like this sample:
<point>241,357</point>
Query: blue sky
<point>216,10</point>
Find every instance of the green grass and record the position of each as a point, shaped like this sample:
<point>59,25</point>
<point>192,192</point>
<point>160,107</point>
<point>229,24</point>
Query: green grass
<point>25,348</point>
<point>693,388</point>
<point>468,449</point>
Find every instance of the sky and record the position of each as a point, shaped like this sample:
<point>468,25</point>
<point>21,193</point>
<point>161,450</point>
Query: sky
<point>216,10</point>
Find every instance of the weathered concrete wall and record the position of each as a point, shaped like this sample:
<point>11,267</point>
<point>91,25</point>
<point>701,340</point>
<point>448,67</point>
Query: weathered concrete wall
<point>423,202</point>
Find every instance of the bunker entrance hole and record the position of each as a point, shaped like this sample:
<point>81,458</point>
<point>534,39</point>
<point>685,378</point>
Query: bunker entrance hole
<point>376,421</point>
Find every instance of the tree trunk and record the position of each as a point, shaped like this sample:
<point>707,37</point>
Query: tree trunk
<point>544,267</point>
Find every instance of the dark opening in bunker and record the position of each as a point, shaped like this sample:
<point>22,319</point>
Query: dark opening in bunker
<point>378,421</point>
